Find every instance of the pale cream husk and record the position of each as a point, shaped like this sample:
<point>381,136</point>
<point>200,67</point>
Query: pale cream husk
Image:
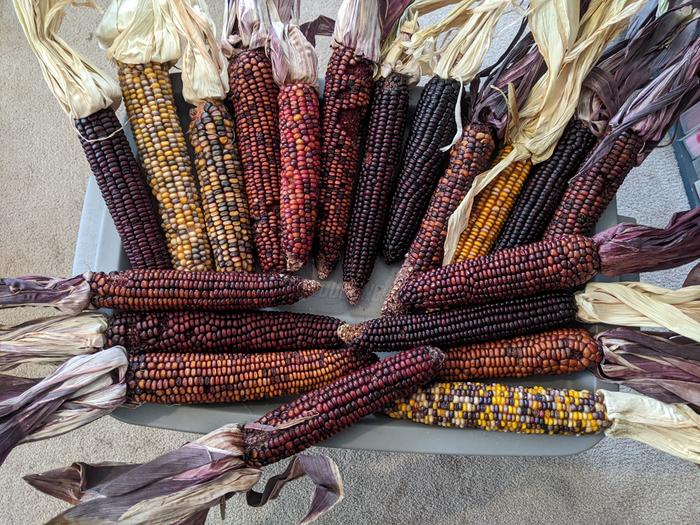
<point>203,66</point>
<point>139,32</point>
<point>570,49</point>
<point>358,27</point>
<point>81,88</point>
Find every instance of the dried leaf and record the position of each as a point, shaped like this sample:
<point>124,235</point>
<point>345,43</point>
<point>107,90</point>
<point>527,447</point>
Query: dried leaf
<point>358,26</point>
<point>70,296</point>
<point>693,277</point>
<point>320,26</point>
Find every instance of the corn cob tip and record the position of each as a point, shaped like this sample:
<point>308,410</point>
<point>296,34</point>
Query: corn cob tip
<point>294,263</point>
<point>310,287</point>
<point>352,292</point>
<point>393,307</point>
<point>349,332</point>
<point>324,268</point>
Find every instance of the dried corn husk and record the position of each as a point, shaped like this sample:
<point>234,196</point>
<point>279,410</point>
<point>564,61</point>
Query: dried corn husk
<point>293,57</point>
<point>70,296</point>
<point>358,26</point>
<point>570,49</point>
<point>81,88</point>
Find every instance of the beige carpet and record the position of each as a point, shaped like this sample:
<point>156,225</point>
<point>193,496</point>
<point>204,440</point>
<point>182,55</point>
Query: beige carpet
<point>43,176</point>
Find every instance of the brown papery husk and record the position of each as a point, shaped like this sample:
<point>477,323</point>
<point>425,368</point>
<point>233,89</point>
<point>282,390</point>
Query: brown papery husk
<point>633,248</point>
<point>662,365</point>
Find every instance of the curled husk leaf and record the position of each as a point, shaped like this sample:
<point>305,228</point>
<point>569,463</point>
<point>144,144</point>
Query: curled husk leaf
<point>70,296</point>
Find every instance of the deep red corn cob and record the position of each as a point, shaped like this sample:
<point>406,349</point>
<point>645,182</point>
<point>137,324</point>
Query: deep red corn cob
<point>141,332</point>
<point>346,98</point>
<point>254,99</point>
<point>433,127</point>
<point>300,142</point>
<point>324,412</point>
<point>382,149</point>
<point>124,190</point>
<point>470,324</point>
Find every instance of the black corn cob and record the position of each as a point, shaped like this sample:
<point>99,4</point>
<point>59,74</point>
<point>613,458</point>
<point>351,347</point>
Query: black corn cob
<point>471,324</point>
<point>382,150</point>
<point>545,186</point>
<point>124,190</point>
<point>433,127</point>
<point>202,331</point>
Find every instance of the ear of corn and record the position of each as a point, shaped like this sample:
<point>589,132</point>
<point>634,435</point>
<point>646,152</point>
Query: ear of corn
<point>545,186</point>
<point>505,408</point>
<point>463,325</point>
<point>432,128</point>
<point>254,98</point>
<point>557,264</point>
<point>560,351</point>
<point>220,172</point>
<point>148,96</point>
<point>172,290</point>
<point>382,149</point>
<point>317,415</point>
<point>346,98</point>
<point>203,331</point>
<point>300,135</point>
<point>174,378</point>
<point>491,209</point>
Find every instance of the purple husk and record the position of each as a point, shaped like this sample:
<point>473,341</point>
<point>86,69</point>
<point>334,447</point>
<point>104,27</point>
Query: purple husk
<point>693,277</point>
<point>633,248</point>
<point>321,26</point>
<point>70,295</point>
<point>390,12</point>
<point>662,365</point>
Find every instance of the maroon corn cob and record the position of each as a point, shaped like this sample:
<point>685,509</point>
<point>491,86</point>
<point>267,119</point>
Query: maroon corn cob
<point>180,378</point>
<point>464,325</point>
<point>545,186</point>
<point>382,149</point>
<point>254,98</point>
<point>300,134</point>
<point>589,193</point>
<point>433,127</point>
<point>262,331</point>
<point>346,98</point>
<point>124,190</point>
<point>324,412</point>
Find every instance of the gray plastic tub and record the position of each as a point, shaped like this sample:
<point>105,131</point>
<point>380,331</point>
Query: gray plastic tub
<point>99,249</point>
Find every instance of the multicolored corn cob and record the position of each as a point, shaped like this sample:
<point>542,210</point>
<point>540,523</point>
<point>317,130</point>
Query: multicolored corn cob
<point>382,149</point>
<point>149,101</point>
<point>463,325</point>
<point>254,98</point>
<point>491,209</point>
<point>545,186</point>
<point>346,99</point>
<point>318,415</point>
<point>432,128</point>
<point>560,351</point>
<point>202,331</point>
<point>505,408</point>
<point>220,173</point>
<point>182,378</point>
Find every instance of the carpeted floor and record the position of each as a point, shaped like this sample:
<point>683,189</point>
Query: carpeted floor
<point>44,175</point>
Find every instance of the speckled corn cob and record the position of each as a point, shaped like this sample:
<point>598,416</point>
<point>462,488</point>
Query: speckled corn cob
<point>254,98</point>
<point>300,142</point>
<point>470,324</point>
<point>324,412</point>
<point>141,332</point>
<point>346,98</point>
<point>124,190</point>
<point>138,290</point>
<point>382,149</point>
<point>433,127</point>
<point>545,187</point>
<point>556,264</point>
<point>148,96</point>
<point>560,351</point>
<point>505,408</point>
<point>589,193</point>
<point>220,172</point>
<point>183,378</point>
<point>491,209</point>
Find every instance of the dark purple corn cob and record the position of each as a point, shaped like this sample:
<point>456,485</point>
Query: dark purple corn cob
<point>324,412</point>
<point>382,150</point>
<point>433,127</point>
<point>124,190</point>
<point>212,331</point>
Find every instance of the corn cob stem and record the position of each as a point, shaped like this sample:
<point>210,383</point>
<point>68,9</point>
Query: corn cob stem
<point>254,98</point>
<point>220,173</point>
<point>148,96</point>
<point>382,149</point>
<point>346,99</point>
